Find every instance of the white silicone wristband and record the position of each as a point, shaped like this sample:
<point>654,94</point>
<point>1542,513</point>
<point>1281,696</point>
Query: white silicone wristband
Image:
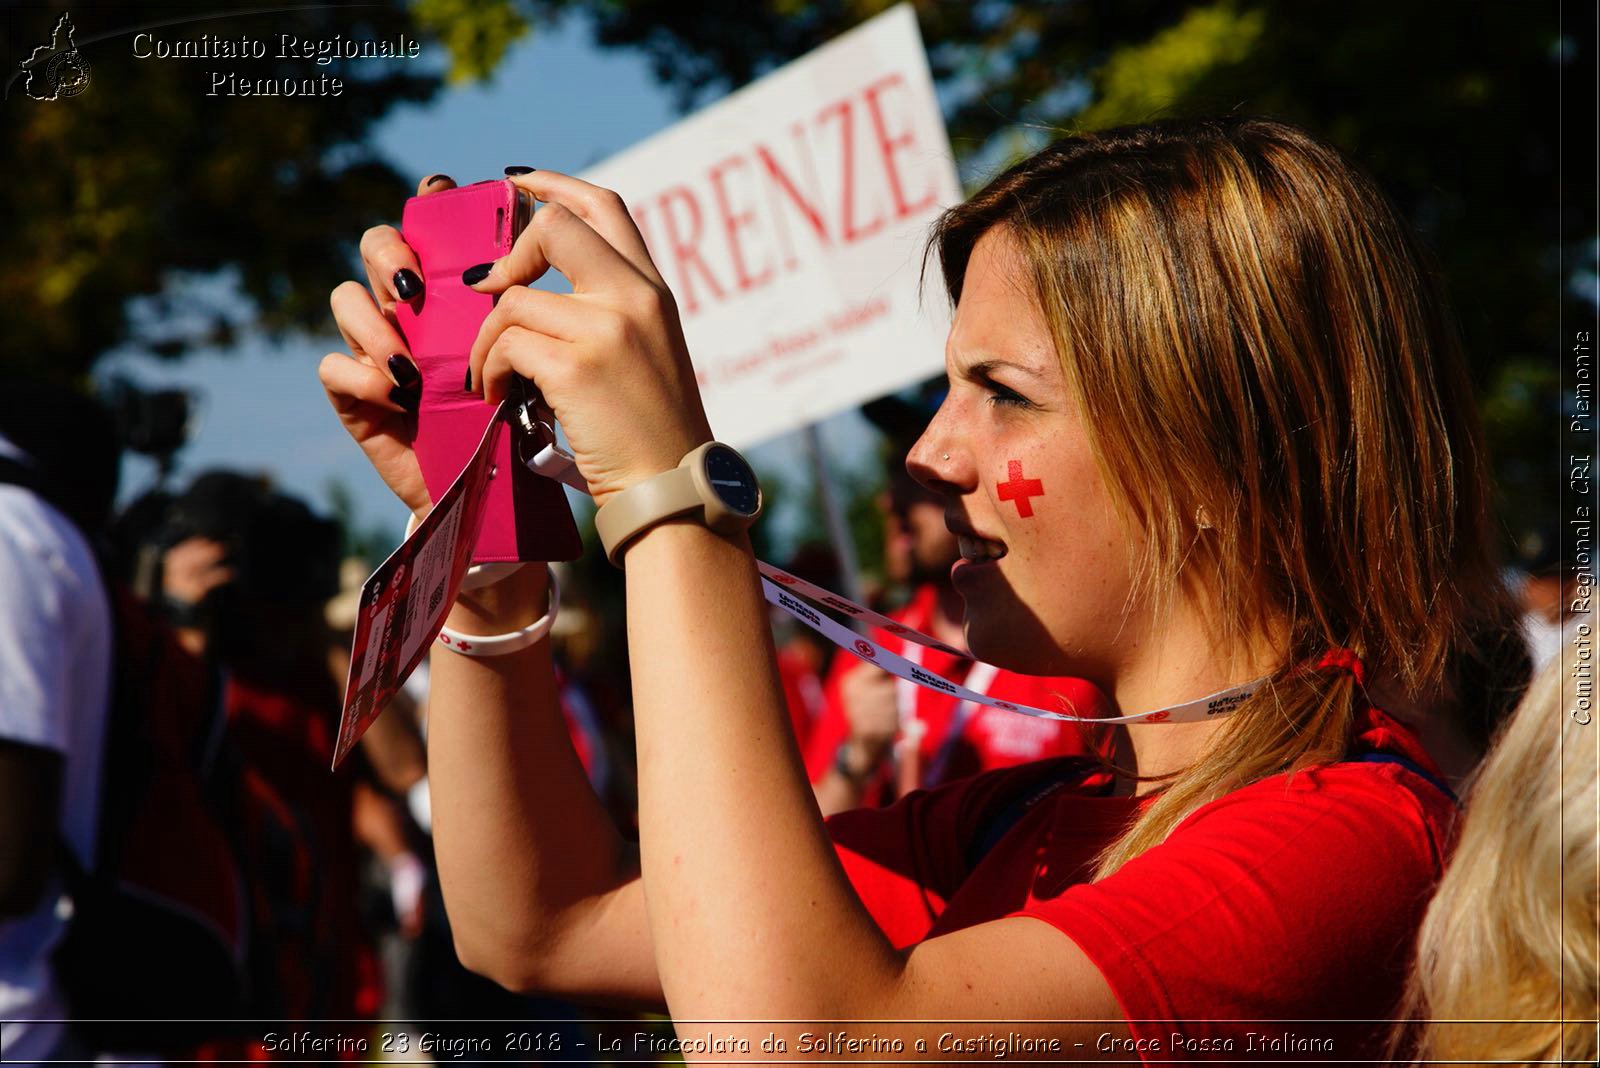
<point>511,642</point>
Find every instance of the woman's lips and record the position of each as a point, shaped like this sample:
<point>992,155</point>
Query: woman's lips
<point>977,555</point>
<point>979,550</point>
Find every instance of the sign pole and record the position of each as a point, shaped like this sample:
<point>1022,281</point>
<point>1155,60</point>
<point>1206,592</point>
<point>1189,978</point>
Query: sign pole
<point>906,753</point>
<point>838,530</point>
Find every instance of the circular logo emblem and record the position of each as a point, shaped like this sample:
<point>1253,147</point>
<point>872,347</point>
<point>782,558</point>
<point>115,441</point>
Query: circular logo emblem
<point>67,74</point>
<point>783,580</point>
<point>1007,705</point>
<point>895,628</point>
<point>1158,716</point>
<point>865,648</point>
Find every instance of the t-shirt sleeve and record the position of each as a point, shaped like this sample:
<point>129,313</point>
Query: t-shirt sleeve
<point>1297,898</point>
<point>37,626</point>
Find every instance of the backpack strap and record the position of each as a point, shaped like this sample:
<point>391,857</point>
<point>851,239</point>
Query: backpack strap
<point>995,827</point>
<point>15,472</point>
<point>1409,765</point>
<point>992,829</point>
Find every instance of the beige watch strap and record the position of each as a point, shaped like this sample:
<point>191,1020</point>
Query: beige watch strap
<point>640,507</point>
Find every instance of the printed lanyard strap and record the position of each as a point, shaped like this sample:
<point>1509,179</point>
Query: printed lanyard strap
<point>779,588</point>
<point>1198,710</point>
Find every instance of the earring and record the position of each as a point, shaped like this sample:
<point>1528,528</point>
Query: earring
<point>1201,519</point>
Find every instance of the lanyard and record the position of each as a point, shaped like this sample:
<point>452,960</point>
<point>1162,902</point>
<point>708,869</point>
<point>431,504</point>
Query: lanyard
<point>979,679</point>
<point>780,589</point>
<point>908,761</point>
<point>1195,711</point>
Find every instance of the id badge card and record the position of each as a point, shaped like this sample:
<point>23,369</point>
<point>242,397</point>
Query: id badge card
<point>405,602</point>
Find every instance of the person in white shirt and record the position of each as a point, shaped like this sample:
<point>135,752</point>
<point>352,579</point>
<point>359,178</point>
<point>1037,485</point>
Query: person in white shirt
<point>55,678</point>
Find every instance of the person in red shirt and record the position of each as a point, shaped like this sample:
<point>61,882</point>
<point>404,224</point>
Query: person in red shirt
<point>1209,444</point>
<point>246,575</point>
<point>868,716</point>
<point>1247,874</point>
<point>802,655</point>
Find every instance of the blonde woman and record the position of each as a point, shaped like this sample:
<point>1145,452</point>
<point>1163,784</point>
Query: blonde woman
<point>1510,939</point>
<point>1210,357</point>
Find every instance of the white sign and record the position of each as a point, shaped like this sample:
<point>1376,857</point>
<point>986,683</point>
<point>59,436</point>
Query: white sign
<point>789,219</point>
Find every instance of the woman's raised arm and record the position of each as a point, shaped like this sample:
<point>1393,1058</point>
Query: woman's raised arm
<point>542,890</point>
<point>750,914</point>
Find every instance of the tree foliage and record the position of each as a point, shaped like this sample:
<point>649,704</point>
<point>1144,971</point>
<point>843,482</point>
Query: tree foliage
<point>145,213</point>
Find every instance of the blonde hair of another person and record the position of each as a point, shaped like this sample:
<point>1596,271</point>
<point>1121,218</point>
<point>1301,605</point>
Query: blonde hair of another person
<point>1275,393</point>
<point>1510,937</point>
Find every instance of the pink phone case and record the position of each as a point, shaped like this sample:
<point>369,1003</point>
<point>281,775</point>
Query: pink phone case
<point>527,516</point>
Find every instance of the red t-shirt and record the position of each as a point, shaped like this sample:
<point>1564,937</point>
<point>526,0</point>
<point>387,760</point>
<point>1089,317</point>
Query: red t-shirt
<point>1296,897</point>
<point>285,731</point>
<point>958,738</point>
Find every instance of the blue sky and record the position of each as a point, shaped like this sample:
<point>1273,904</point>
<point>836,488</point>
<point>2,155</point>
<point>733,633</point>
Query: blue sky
<point>558,102</point>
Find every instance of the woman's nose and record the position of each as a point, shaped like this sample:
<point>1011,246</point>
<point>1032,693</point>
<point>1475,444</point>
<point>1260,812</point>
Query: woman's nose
<point>934,460</point>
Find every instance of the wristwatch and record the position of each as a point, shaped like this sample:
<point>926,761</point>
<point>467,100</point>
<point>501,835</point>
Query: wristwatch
<point>713,484</point>
<point>841,764</point>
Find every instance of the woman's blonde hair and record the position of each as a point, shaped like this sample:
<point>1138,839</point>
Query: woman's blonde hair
<point>1254,337</point>
<point>1510,937</point>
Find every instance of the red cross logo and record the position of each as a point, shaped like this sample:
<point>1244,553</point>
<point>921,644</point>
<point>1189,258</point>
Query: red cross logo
<point>1019,489</point>
<point>1157,717</point>
<point>865,649</point>
<point>464,646</point>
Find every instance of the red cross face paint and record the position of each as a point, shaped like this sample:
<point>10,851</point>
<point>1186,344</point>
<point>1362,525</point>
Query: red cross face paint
<point>1046,566</point>
<point>1020,490</point>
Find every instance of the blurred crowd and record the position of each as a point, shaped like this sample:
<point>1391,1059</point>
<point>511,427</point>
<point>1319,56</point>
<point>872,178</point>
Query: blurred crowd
<point>174,844</point>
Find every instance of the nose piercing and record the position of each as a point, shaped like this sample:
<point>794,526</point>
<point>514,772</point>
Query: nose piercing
<point>945,456</point>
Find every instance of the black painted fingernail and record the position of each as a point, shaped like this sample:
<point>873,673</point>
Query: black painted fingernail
<point>512,172</point>
<point>406,375</point>
<point>409,399</point>
<point>476,273</point>
<point>439,178</point>
<point>407,284</point>
<point>468,384</point>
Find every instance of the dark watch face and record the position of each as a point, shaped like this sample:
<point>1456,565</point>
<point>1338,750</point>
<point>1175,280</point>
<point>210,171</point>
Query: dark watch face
<point>732,480</point>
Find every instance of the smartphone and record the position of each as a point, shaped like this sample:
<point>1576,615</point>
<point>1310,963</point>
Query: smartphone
<point>527,516</point>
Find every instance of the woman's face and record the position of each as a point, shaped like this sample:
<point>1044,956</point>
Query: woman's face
<point>1046,564</point>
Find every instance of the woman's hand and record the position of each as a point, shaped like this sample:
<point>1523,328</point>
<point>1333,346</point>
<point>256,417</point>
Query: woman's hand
<point>873,711</point>
<point>193,568</point>
<point>376,388</point>
<point>609,357</point>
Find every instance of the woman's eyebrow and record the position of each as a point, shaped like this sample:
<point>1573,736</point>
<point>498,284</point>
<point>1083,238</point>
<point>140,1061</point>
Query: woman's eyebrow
<point>985,367</point>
